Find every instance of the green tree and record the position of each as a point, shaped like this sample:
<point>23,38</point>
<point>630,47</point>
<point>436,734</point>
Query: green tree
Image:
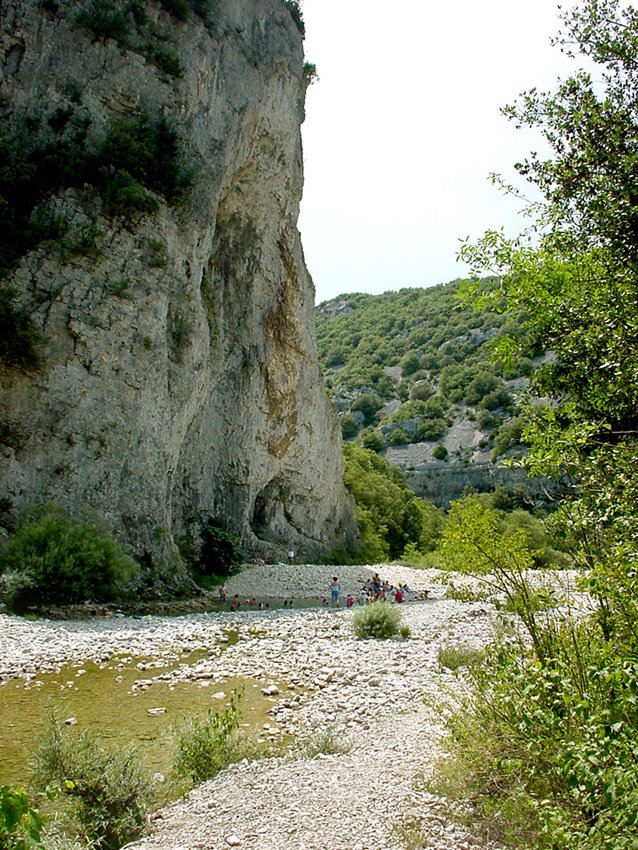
<point>389,515</point>
<point>55,559</point>
<point>578,288</point>
<point>349,426</point>
<point>369,405</point>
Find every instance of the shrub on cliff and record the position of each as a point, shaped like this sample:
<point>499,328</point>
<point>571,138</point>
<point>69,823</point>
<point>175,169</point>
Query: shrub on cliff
<point>21,340</point>
<point>54,559</point>
<point>220,554</point>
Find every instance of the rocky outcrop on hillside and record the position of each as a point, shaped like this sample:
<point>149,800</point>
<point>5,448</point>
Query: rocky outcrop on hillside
<point>179,378</point>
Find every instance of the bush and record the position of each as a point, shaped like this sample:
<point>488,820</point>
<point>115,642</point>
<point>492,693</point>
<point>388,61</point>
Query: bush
<point>440,452</point>
<point>454,656</point>
<point>220,554</point>
<point>20,339</point>
<point>108,792</point>
<point>296,14</point>
<point>20,822</point>
<point>367,404</point>
<point>105,20</point>
<point>378,620</point>
<point>54,559</point>
<point>372,439</point>
<point>323,740</point>
<point>421,391</point>
<point>349,426</point>
<point>204,747</point>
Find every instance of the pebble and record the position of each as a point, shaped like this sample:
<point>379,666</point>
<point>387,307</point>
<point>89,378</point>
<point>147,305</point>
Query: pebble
<point>368,695</point>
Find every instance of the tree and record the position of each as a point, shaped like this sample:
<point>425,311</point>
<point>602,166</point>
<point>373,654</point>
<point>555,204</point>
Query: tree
<point>369,405</point>
<point>389,515</point>
<point>578,288</point>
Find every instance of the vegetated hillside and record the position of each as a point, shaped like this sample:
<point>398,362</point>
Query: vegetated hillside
<point>413,376</point>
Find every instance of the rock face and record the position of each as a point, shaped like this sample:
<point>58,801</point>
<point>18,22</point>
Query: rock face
<point>180,378</point>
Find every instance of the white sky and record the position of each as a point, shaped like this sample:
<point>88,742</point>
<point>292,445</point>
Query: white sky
<point>403,129</point>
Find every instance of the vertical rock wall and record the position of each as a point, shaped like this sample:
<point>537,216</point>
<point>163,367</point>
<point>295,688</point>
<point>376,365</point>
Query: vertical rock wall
<point>181,380</point>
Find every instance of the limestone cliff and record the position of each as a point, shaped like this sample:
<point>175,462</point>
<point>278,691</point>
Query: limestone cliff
<point>180,378</point>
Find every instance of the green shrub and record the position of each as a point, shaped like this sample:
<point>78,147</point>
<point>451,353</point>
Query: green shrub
<point>54,559</point>
<point>123,195</point>
<point>454,656</point>
<point>326,740</point>
<point>21,341</point>
<point>220,553</point>
<point>105,19</point>
<point>398,437</point>
<point>369,405</point>
<point>296,14</point>
<point>372,439</point>
<point>207,746</point>
<point>378,620</point>
<point>163,56</point>
<point>20,822</point>
<point>142,151</point>
<point>177,8</point>
<point>349,426</point>
<point>440,452</point>
<point>106,788</point>
<point>421,391</point>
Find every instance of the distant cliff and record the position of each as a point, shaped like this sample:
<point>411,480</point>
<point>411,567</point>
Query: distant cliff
<point>151,193</point>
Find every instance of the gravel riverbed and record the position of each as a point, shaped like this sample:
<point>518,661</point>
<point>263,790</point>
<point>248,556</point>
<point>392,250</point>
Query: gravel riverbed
<point>369,693</point>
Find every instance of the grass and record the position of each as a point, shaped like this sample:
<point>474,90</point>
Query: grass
<point>322,740</point>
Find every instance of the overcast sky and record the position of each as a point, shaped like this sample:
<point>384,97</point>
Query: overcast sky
<point>403,129</point>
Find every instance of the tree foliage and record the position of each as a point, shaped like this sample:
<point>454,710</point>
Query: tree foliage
<point>389,515</point>
<point>53,559</point>
<point>558,726</point>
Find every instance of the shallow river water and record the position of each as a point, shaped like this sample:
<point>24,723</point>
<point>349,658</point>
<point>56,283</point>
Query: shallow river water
<point>103,698</point>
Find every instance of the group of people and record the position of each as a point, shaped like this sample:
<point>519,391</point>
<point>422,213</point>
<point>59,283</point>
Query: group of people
<point>373,590</point>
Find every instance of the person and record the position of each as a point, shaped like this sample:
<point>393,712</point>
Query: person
<point>291,555</point>
<point>258,559</point>
<point>222,593</point>
<point>335,591</point>
<point>349,600</point>
<point>234,603</point>
<point>398,595</point>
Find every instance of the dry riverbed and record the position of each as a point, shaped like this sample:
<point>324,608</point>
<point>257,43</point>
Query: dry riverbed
<point>370,694</point>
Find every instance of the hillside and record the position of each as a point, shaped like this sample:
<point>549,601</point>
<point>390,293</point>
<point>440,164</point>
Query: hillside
<point>413,376</point>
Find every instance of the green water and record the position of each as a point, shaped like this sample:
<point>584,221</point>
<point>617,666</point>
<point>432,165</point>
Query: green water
<point>100,698</point>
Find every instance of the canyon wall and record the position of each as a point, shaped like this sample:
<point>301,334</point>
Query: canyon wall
<point>179,379</point>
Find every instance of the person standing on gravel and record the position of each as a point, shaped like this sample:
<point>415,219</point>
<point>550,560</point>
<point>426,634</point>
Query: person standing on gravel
<point>335,591</point>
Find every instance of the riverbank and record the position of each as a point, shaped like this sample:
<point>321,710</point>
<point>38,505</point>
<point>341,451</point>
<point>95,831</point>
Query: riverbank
<point>369,694</point>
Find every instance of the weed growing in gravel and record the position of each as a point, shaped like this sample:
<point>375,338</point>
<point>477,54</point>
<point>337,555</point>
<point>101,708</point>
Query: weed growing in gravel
<point>323,740</point>
<point>455,656</point>
<point>207,746</point>
<point>378,620</point>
